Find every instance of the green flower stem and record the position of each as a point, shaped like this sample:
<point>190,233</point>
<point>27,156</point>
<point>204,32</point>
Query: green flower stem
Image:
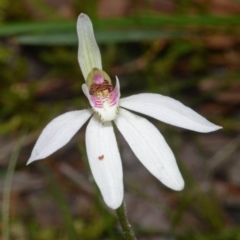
<point>126,227</point>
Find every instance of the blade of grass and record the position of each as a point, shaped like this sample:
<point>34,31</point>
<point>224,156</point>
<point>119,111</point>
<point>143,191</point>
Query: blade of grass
<point>61,201</point>
<point>101,36</point>
<point>7,189</point>
<point>223,234</point>
<point>10,29</point>
<point>140,21</point>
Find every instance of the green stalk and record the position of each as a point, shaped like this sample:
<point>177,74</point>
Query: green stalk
<point>126,227</point>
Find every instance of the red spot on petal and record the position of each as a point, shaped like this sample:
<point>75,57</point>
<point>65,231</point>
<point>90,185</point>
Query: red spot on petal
<point>101,157</point>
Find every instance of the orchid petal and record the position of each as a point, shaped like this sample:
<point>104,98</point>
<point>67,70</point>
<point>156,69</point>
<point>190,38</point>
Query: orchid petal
<point>89,56</point>
<point>150,148</point>
<point>58,133</point>
<point>168,110</point>
<point>105,161</point>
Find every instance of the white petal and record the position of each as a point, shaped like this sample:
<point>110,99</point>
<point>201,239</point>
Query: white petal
<point>58,133</point>
<point>168,110</point>
<point>150,148</point>
<point>89,56</point>
<point>105,161</point>
<point>86,92</point>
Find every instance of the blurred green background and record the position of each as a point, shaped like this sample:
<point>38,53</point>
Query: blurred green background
<point>189,50</point>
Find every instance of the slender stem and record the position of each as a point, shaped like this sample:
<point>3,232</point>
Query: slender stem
<point>126,227</point>
<point>7,190</point>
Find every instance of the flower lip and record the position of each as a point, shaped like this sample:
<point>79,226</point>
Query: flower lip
<point>104,99</point>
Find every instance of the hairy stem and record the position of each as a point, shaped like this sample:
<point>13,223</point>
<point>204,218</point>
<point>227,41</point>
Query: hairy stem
<point>126,227</point>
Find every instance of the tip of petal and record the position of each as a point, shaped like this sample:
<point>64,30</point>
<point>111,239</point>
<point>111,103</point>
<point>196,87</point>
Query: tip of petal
<point>83,15</point>
<point>174,181</point>
<point>28,162</point>
<point>113,203</point>
<point>179,186</point>
<point>83,19</point>
<point>31,159</point>
<point>213,128</point>
<point>175,184</point>
<point>210,127</point>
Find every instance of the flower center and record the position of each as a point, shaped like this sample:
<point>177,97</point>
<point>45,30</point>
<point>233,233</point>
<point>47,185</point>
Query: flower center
<point>100,88</point>
<point>102,96</point>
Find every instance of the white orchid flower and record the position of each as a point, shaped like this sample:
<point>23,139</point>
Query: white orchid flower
<point>142,136</point>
